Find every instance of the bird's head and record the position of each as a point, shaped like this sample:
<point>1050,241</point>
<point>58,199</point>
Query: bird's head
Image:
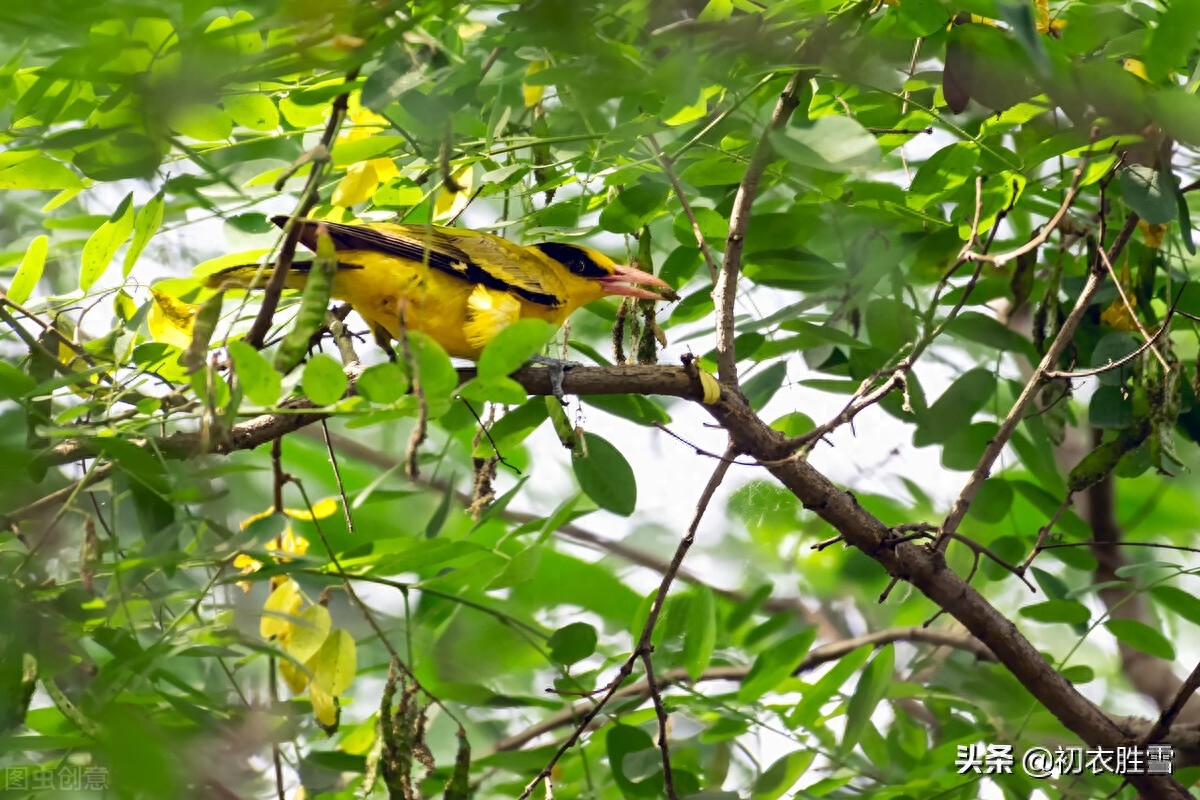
<point>590,272</point>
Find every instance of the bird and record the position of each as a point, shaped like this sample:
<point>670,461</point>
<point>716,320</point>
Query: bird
<point>460,287</point>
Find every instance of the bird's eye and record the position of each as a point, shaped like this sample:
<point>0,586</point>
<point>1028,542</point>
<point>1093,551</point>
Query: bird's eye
<point>575,259</point>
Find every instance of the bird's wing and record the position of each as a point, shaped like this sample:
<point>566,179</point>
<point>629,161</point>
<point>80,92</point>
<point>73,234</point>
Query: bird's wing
<point>473,257</point>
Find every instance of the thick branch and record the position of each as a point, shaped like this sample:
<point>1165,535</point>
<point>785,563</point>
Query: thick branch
<point>299,412</point>
<point>926,570</point>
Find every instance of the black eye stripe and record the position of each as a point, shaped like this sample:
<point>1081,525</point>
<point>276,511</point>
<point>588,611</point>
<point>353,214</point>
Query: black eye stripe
<point>574,258</point>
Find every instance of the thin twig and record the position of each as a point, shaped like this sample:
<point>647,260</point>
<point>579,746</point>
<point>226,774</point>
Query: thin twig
<point>291,235</point>
<point>822,654</point>
<point>669,169</point>
<point>725,291</point>
<point>1132,314</point>
<point>1168,715</point>
<point>1042,235</point>
<point>643,643</point>
<point>363,608</point>
<point>660,711</point>
<point>1009,426</point>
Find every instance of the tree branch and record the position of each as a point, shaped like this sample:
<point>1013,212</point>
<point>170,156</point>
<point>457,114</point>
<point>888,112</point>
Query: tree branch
<point>1017,413</point>
<point>815,658</point>
<point>725,290</point>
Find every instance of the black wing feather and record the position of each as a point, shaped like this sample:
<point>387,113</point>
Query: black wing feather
<point>445,257</point>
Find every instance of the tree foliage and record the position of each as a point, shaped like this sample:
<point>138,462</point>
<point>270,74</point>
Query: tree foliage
<point>247,554</point>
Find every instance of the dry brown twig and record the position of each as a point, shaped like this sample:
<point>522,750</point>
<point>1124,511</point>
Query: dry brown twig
<point>1009,425</point>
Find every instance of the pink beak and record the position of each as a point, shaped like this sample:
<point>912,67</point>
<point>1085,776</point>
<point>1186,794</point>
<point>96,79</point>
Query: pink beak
<point>624,282</point>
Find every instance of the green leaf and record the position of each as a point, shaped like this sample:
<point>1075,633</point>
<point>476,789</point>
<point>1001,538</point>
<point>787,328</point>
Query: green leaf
<point>634,207</point>
<point>202,122</point>
<point>714,228</point>
<point>775,665</point>
<point>953,411</point>
<point>254,111</point>
<point>921,17</point>
<point>713,171</point>
<point>440,514</point>
<point>259,380</point>
<point>1185,604</point>
<point>30,271</point>
<point>943,173</point>
<point>1173,39</point>
<point>15,383</point>
<point>872,687</point>
<point>1149,192</point>
<point>102,245</point>
<point>512,347</point>
<point>513,428</point>
<point>1071,612</point>
<point>572,643</point>
<point>1141,636</point>
<point>633,407</point>
<point>715,11</point>
<point>794,423</point>
<point>993,501</point>
<point>1111,349</point>
<point>38,172</point>
<point>324,382</point>
<point>833,143</point>
<point>605,476</point>
<point>1110,407</point>
<point>700,638</point>
<point>521,568</point>
<point>382,383</point>
<point>630,756</point>
<point>761,387</point>
<point>890,324</point>
<point>147,223</point>
<point>782,776</point>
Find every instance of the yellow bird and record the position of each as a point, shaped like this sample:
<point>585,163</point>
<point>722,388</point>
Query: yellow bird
<point>460,287</point>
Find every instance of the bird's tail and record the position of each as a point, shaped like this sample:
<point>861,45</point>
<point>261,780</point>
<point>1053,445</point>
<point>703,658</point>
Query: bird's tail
<point>256,276</point>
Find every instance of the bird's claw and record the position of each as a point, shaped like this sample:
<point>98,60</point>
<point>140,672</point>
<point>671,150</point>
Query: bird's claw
<point>558,368</point>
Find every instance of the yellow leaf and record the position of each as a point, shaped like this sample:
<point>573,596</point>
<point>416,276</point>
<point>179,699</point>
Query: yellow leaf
<point>1118,316</point>
<point>246,563</point>
<point>1132,65</point>
<point>385,168</point>
<point>1153,234</point>
<point>170,320</point>
<point>343,41</point>
<point>324,706</point>
<point>320,510</point>
<point>1042,15</point>
<point>712,389</point>
<point>309,632</point>
<point>334,665</point>
<point>449,204</point>
<point>357,186</point>
<point>290,542</point>
<point>295,677</point>
<point>280,610</point>
<point>248,521</point>
<point>534,92</point>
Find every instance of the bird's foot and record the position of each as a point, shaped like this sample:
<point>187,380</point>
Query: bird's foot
<point>558,368</point>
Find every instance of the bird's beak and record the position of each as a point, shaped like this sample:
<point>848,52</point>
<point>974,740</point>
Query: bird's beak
<point>628,282</point>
